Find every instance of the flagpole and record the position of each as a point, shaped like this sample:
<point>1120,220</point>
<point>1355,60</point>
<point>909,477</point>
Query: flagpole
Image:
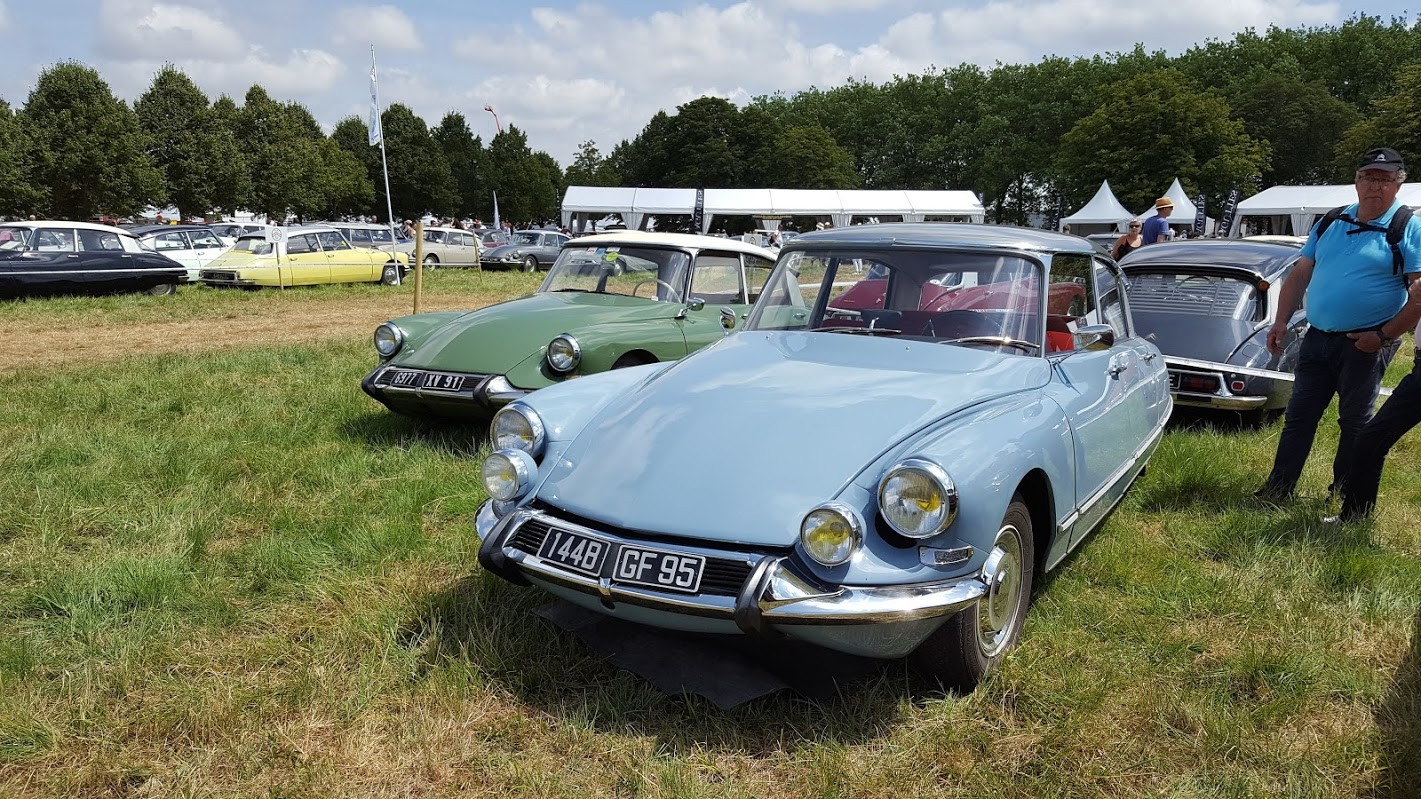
<point>377,128</point>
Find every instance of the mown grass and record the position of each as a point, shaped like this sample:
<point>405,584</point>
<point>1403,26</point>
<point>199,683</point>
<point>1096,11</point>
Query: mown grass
<point>234,575</point>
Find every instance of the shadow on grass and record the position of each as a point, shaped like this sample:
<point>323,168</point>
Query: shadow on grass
<point>1399,722</point>
<point>384,430</point>
<point>491,628</point>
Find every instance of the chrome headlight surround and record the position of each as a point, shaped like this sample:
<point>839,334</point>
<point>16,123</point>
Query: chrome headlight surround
<point>388,340</point>
<point>564,354</point>
<point>831,533</point>
<point>917,498</point>
<point>508,474</point>
<point>517,426</point>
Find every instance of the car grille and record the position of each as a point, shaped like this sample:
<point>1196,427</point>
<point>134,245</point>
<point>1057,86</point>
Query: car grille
<point>721,576</point>
<point>400,377</point>
<point>212,274</point>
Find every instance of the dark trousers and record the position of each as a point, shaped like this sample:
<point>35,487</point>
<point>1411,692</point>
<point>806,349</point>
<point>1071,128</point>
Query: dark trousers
<point>1400,413</point>
<point>1328,364</point>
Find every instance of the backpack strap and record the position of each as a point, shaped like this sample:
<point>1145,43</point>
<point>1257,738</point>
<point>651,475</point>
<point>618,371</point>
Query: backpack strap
<point>1394,233</point>
<point>1328,218</point>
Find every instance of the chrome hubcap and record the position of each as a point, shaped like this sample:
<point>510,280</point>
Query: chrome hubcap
<point>997,612</point>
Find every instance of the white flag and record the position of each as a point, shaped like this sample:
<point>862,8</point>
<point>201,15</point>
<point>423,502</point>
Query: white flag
<point>498,225</point>
<point>375,133</point>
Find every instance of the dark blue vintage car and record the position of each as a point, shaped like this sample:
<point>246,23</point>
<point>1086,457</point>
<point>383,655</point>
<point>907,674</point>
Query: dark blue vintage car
<point>903,471</point>
<point>1208,304</point>
<point>40,258</point>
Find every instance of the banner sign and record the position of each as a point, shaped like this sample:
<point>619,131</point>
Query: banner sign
<point>1226,218</point>
<point>1199,215</point>
<point>698,216</point>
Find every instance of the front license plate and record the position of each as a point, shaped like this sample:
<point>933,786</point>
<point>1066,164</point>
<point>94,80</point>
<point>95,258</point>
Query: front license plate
<point>574,552</point>
<point>404,379</point>
<point>442,382</point>
<point>670,571</point>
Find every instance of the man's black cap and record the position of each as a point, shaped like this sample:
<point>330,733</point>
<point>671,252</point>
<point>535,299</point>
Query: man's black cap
<point>1382,158</point>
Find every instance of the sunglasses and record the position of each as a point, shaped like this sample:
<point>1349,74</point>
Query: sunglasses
<point>1134,226</point>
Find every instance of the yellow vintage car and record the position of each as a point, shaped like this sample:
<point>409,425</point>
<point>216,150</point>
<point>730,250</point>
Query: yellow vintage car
<point>303,256</point>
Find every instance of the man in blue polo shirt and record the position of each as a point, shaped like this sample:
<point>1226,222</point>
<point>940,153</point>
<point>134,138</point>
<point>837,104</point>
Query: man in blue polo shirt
<point>1357,305</point>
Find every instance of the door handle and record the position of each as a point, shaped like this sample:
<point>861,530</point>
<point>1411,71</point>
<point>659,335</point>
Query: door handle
<point>1118,364</point>
<point>72,255</point>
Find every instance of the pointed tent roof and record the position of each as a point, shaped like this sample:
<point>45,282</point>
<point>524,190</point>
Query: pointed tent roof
<point>1103,209</point>
<point>1184,208</point>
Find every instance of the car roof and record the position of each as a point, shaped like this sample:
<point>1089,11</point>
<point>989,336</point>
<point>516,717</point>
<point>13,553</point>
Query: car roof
<point>358,225</point>
<point>147,230</point>
<point>668,240</point>
<point>448,229</point>
<point>55,223</point>
<point>945,234</point>
<point>1261,257</point>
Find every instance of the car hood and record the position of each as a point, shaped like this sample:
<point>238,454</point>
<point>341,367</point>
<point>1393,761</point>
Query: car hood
<point>737,442</point>
<point>1189,336</point>
<point>504,249</point>
<point>238,259</point>
<point>493,340</point>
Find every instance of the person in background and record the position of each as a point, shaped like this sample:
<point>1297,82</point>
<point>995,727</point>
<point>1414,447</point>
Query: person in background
<point>1128,243</point>
<point>1357,305</point>
<point>1157,227</point>
<point>407,230</point>
<point>1066,229</point>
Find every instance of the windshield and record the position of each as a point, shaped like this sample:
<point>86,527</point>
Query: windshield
<point>1182,293</point>
<point>978,299</point>
<point>257,245</point>
<point>13,238</point>
<point>523,238</point>
<point>628,271</point>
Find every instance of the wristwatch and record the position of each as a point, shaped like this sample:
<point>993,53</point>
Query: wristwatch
<point>1382,336</point>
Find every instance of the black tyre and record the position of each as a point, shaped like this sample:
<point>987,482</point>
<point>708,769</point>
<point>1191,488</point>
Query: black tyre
<point>530,264</point>
<point>164,289</point>
<point>431,262</point>
<point>391,275</point>
<point>971,644</point>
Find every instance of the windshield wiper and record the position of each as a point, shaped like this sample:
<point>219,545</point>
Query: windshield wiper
<point>1001,341</point>
<point>584,291</point>
<point>861,331</point>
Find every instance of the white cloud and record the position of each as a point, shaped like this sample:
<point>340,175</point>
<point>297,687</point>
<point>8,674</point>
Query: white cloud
<point>386,27</point>
<point>298,76</point>
<point>834,6</point>
<point>133,29</point>
<point>4,19</point>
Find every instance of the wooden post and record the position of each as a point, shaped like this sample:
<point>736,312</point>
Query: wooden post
<point>418,262</point>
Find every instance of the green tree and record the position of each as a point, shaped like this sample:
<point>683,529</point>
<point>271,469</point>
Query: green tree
<point>511,175</point>
<point>18,196</point>
<point>546,186</point>
<point>807,157</point>
<point>345,187</point>
<point>231,174</point>
<point>1152,128</point>
<point>591,168</point>
<point>465,155</point>
<point>1301,122</point>
<point>188,142</point>
<point>1394,122</point>
<point>281,155</point>
<point>90,155</point>
<point>420,179</point>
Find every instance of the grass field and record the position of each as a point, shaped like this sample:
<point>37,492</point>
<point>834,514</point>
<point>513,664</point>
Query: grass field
<point>229,573</point>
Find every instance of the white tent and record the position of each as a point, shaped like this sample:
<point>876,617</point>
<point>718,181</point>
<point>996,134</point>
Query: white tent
<point>1184,208</point>
<point>1294,209</point>
<point>584,202</point>
<point>1103,212</point>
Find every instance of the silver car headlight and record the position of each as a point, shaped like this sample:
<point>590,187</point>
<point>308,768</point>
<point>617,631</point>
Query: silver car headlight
<point>831,533</point>
<point>508,474</point>
<point>917,498</point>
<point>564,354</point>
<point>516,426</point>
<point>388,340</point>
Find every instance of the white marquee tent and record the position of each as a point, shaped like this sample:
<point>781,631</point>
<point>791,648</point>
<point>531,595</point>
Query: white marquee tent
<point>1184,208</point>
<point>584,203</point>
<point>1103,213</point>
<point>1294,209</point>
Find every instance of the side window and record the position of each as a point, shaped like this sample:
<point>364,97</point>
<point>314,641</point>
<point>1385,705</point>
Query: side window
<point>360,237</point>
<point>297,245</point>
<point>1112,304</point>
<point>54,241</point>
<point>100,240</point>
<point>1070,300</point>
<point>332,240</point>
<point>757,271</point>
<point>202,240</point>
<point>466,240</point>
<point>716,278</point>
<point>169,241</point>
<point>434,236</point>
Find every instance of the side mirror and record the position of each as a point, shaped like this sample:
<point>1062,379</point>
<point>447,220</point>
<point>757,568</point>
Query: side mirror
<point>695,303</point>
<point>727,319</point>
<point>1095,337</point>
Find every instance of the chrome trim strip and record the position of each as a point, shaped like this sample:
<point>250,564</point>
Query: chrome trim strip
<point>1141,457</point>
<point>1216,367</point>
<point>1196,400</point>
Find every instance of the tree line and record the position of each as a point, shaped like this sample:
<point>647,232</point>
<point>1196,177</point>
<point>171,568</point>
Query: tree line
<point>1286,106</point>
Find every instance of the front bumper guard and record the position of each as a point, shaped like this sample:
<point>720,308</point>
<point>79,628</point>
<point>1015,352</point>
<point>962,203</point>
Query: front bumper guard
<point>773,594</point>
<point>493,391</point>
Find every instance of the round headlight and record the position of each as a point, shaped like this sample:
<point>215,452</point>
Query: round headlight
<point>388,340</point>
<point>508,474</point>
<point>517,427</point>
<point>918,498</point>
<point>564,354</point>
<point>831,533</point>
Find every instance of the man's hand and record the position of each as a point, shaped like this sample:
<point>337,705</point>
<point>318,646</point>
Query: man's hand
<point>1367,341</point>
<point>1276,334</point>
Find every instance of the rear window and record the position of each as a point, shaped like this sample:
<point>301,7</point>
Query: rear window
<point>1192,294</point>
<point>257,245</point>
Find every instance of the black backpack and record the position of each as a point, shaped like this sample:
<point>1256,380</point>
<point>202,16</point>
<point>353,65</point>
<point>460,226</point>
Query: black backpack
<point>1393,232</point>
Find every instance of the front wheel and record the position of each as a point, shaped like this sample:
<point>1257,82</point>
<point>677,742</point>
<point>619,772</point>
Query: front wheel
<point>164,289</point>
<point>431,262</point>
<point>530,264</point>
<point>970,645</point>
<point>391,275</point>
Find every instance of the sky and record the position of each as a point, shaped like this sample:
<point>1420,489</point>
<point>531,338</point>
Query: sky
<point>568,72</point>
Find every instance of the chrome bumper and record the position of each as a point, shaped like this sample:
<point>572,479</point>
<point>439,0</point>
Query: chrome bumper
<point>773,594</point>
<point>495,390</point>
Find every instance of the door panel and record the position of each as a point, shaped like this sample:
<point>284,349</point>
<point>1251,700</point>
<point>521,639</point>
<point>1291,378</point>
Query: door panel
<point>305,264</point>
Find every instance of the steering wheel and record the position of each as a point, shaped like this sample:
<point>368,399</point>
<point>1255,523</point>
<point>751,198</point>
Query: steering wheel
<point>670,292</point>
<point>961,323</point>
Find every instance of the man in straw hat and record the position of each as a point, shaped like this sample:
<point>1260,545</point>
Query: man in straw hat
<point>1157,227</point>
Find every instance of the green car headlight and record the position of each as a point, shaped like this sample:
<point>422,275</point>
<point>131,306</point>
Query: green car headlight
<point>508,474</point>
<point>388,340</point>
<point>831,533</point>
<point>564,354</point>
<point>516,426</point>
<point>917,498</point>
